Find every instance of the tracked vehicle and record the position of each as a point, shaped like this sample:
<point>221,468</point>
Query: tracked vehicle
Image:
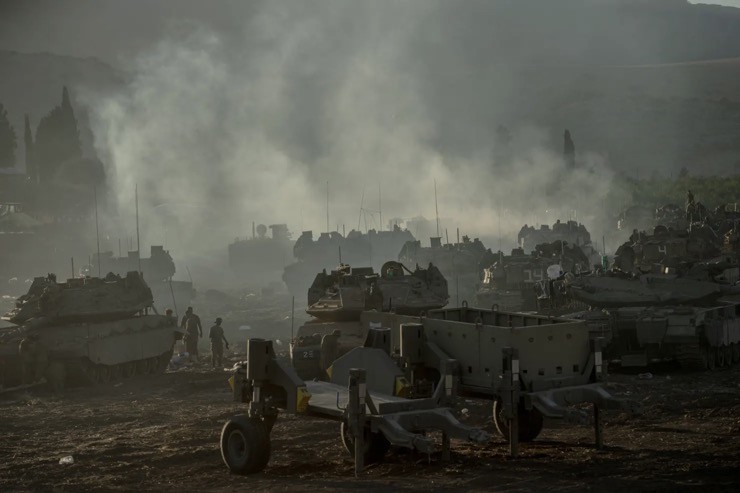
<point>697,338</point>
<point>84,330</point>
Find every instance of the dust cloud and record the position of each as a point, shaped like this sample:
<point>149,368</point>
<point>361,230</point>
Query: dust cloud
<point>219,130</point>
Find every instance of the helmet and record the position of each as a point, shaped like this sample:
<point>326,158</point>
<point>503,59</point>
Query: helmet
<point>219,320</point>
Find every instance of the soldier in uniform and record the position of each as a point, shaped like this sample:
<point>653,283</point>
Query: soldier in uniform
<point>193,330</point>
<point>216,335</point>
<point>34,358</point>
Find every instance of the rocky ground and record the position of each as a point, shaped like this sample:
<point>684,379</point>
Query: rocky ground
<point>161,434</point>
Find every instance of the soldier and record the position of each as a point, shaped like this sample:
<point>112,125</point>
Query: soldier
<point>34,358</point>
<point>216,335</point>
<point>193,330</point>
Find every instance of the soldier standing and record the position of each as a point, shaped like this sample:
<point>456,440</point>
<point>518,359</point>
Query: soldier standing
<point>216,335</point>
<point>193,330</point>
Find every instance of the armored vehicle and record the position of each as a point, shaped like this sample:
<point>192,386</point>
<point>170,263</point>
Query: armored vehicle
<point>261,258</point>
<point>372,248</point>
<point>344,293</point>
<point>461,263</point>
<point>534,282</point>
<point>84,330</point>
<point>698,338</point>
<point>647,290</point>
<point>157,269</point>
<point>338,301</point>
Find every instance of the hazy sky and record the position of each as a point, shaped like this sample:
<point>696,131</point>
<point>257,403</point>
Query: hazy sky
<point>729,3</point>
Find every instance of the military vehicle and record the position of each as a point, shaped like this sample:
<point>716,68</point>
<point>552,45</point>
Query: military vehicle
<point>521,282</point>
<point>85,330</point>
<point>531,367</point>
<point>25,242</point>
<point>367,393</point>
<point>261,258</point>
<point>346,292</point>
<point>647,290</point>
<point>157,269</point>
<point>698,338</point>
<point>329,249</point>
<point>636,217</point>
<point>462,263</point>
<point>338,300</point>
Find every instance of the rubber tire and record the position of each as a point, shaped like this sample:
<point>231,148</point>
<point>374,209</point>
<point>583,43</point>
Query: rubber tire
<point>129,369</point>
<point>103,374</point>
<point>530,422</point>
<point>727,348</point>
<point>245,445</point>
<point>719,354</point>
<point>142,367</point>
<point>376,444</point>
<point>711,357</point>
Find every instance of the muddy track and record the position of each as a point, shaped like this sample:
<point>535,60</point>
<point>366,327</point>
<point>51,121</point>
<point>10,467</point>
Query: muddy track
<point>161,432</point>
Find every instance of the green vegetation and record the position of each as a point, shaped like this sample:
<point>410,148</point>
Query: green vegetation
<point>8,141</point>
<point>57,140</point>
<point>653,192</point>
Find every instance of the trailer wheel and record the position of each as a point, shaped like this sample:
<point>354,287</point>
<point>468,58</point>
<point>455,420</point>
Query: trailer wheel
<point>245,445</point>
<point>719,354</point>
<point>727,348</point>
<point>530,421</point>
<point>711,359</point>
<point>376,444</point>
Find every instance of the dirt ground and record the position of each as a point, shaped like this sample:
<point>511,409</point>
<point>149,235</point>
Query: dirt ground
<point>161,433</point>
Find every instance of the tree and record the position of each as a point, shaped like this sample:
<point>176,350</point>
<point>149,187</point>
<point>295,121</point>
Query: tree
<point>569,149</point>
<point>31,170</point>
<point>57,139</point>
<point>8,141</point>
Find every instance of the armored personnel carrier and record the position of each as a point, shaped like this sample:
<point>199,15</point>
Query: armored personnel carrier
<point>533,282</point>
<point>84,330</point>
<point>462,263</point>
<point>339,301</point>
<point>356,248</point>
<point>346,292</point>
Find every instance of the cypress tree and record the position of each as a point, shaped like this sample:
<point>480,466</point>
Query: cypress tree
<point>569,149</point>
<point>31,170</point>
<point>8,141</point>
<point>57,139</point>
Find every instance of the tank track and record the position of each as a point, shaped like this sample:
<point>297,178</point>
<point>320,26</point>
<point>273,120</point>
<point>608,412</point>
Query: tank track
<point>692,357</point>
<point>85,372</point>
<point>700,358</point>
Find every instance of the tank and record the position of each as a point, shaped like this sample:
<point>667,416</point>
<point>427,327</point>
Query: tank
<point>648,290</point>
<point>344,293</point>
<point>261,258</point>
<point>697,338</point>
<point>372,248</point>
<point>85,330</point>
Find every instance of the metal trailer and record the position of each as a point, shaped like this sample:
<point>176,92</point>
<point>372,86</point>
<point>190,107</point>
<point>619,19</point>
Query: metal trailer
<point>532,367</point>
<point>367,393</point>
